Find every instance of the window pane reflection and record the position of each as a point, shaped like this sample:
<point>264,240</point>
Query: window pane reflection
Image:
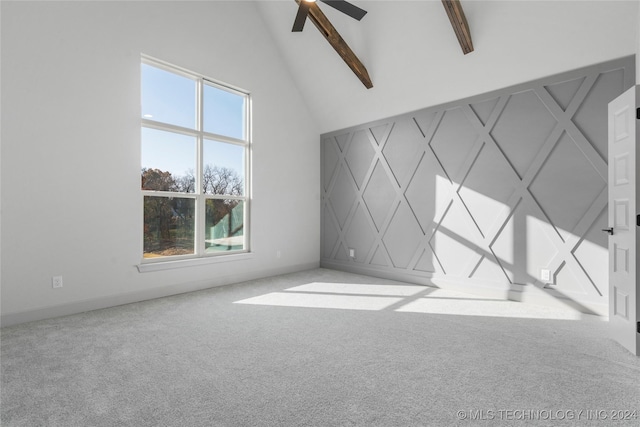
<point>224,225</point>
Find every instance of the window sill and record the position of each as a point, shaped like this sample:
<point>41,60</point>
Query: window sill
<point>191,262</point>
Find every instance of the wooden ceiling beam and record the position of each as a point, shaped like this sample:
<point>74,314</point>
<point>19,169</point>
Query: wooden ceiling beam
<point>459,24</point>
<point>329,32</point>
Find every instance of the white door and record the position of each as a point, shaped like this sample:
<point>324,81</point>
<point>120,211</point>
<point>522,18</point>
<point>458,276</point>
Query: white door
<point>623,220</point>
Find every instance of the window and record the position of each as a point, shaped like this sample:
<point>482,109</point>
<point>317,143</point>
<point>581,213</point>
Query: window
<point>195,165</point>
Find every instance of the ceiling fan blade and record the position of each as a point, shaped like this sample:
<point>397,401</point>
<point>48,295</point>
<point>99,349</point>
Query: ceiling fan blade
<point>347,8</point>
<point>301,17</point>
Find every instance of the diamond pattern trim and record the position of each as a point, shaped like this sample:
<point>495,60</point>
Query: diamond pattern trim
<point>446,192</point>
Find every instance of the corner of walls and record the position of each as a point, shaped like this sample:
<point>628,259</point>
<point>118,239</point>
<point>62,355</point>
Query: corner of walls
<point>503,193</point>
<point>264,11</point>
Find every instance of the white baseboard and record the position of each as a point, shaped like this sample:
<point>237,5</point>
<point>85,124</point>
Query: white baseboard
<point>9,319</point>
<point>521,293</point>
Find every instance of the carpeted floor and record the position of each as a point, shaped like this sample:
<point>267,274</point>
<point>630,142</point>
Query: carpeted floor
<point>318,348</point>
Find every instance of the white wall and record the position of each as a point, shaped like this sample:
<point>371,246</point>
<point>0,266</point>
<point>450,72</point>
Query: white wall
<point>414,59</point>
<point>638,46</point>
<point>71,150</point>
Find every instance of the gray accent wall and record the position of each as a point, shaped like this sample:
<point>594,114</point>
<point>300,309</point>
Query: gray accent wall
<point>482,194</point>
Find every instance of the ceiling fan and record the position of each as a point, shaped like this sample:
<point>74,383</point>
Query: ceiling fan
<point>310,9</point>
<point>342,5</point>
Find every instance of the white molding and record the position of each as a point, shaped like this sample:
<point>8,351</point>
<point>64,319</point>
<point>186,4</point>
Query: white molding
<point>192,262</point>
<point>521,293</point>
<point>9,319</point>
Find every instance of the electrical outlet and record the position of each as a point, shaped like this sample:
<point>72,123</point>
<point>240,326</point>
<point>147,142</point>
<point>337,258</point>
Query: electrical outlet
<point>352,253</point>
<point>278,253</point>
<point>545,274</point>
<point>56,282</point>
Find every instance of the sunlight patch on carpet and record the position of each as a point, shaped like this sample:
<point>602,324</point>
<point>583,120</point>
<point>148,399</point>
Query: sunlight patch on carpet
<point>404,299</point>
<point>308,300</point>
<point>360,289</point>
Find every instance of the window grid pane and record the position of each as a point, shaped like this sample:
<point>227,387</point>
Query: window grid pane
<point>223,170</point>
<point>169,224</point>
<point>168,161</point>
<point>223,112</point>
<point>224,228</point>
<point>168,97</point>
<point>213,221</point>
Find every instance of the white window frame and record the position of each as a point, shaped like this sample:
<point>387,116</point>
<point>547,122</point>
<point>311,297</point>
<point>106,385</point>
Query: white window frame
<point>200,256</point>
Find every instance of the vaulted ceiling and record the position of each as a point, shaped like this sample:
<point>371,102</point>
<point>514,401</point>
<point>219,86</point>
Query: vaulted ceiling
<point>414,59</point>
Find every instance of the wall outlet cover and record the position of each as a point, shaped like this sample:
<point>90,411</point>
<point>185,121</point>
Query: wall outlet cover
<point>545,274</point>
<point>56,282</point>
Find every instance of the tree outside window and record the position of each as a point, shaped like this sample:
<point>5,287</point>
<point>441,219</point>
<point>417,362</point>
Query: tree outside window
<point>194,164</point>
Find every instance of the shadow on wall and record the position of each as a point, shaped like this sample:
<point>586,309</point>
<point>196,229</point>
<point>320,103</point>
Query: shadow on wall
<point>506,190</point>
